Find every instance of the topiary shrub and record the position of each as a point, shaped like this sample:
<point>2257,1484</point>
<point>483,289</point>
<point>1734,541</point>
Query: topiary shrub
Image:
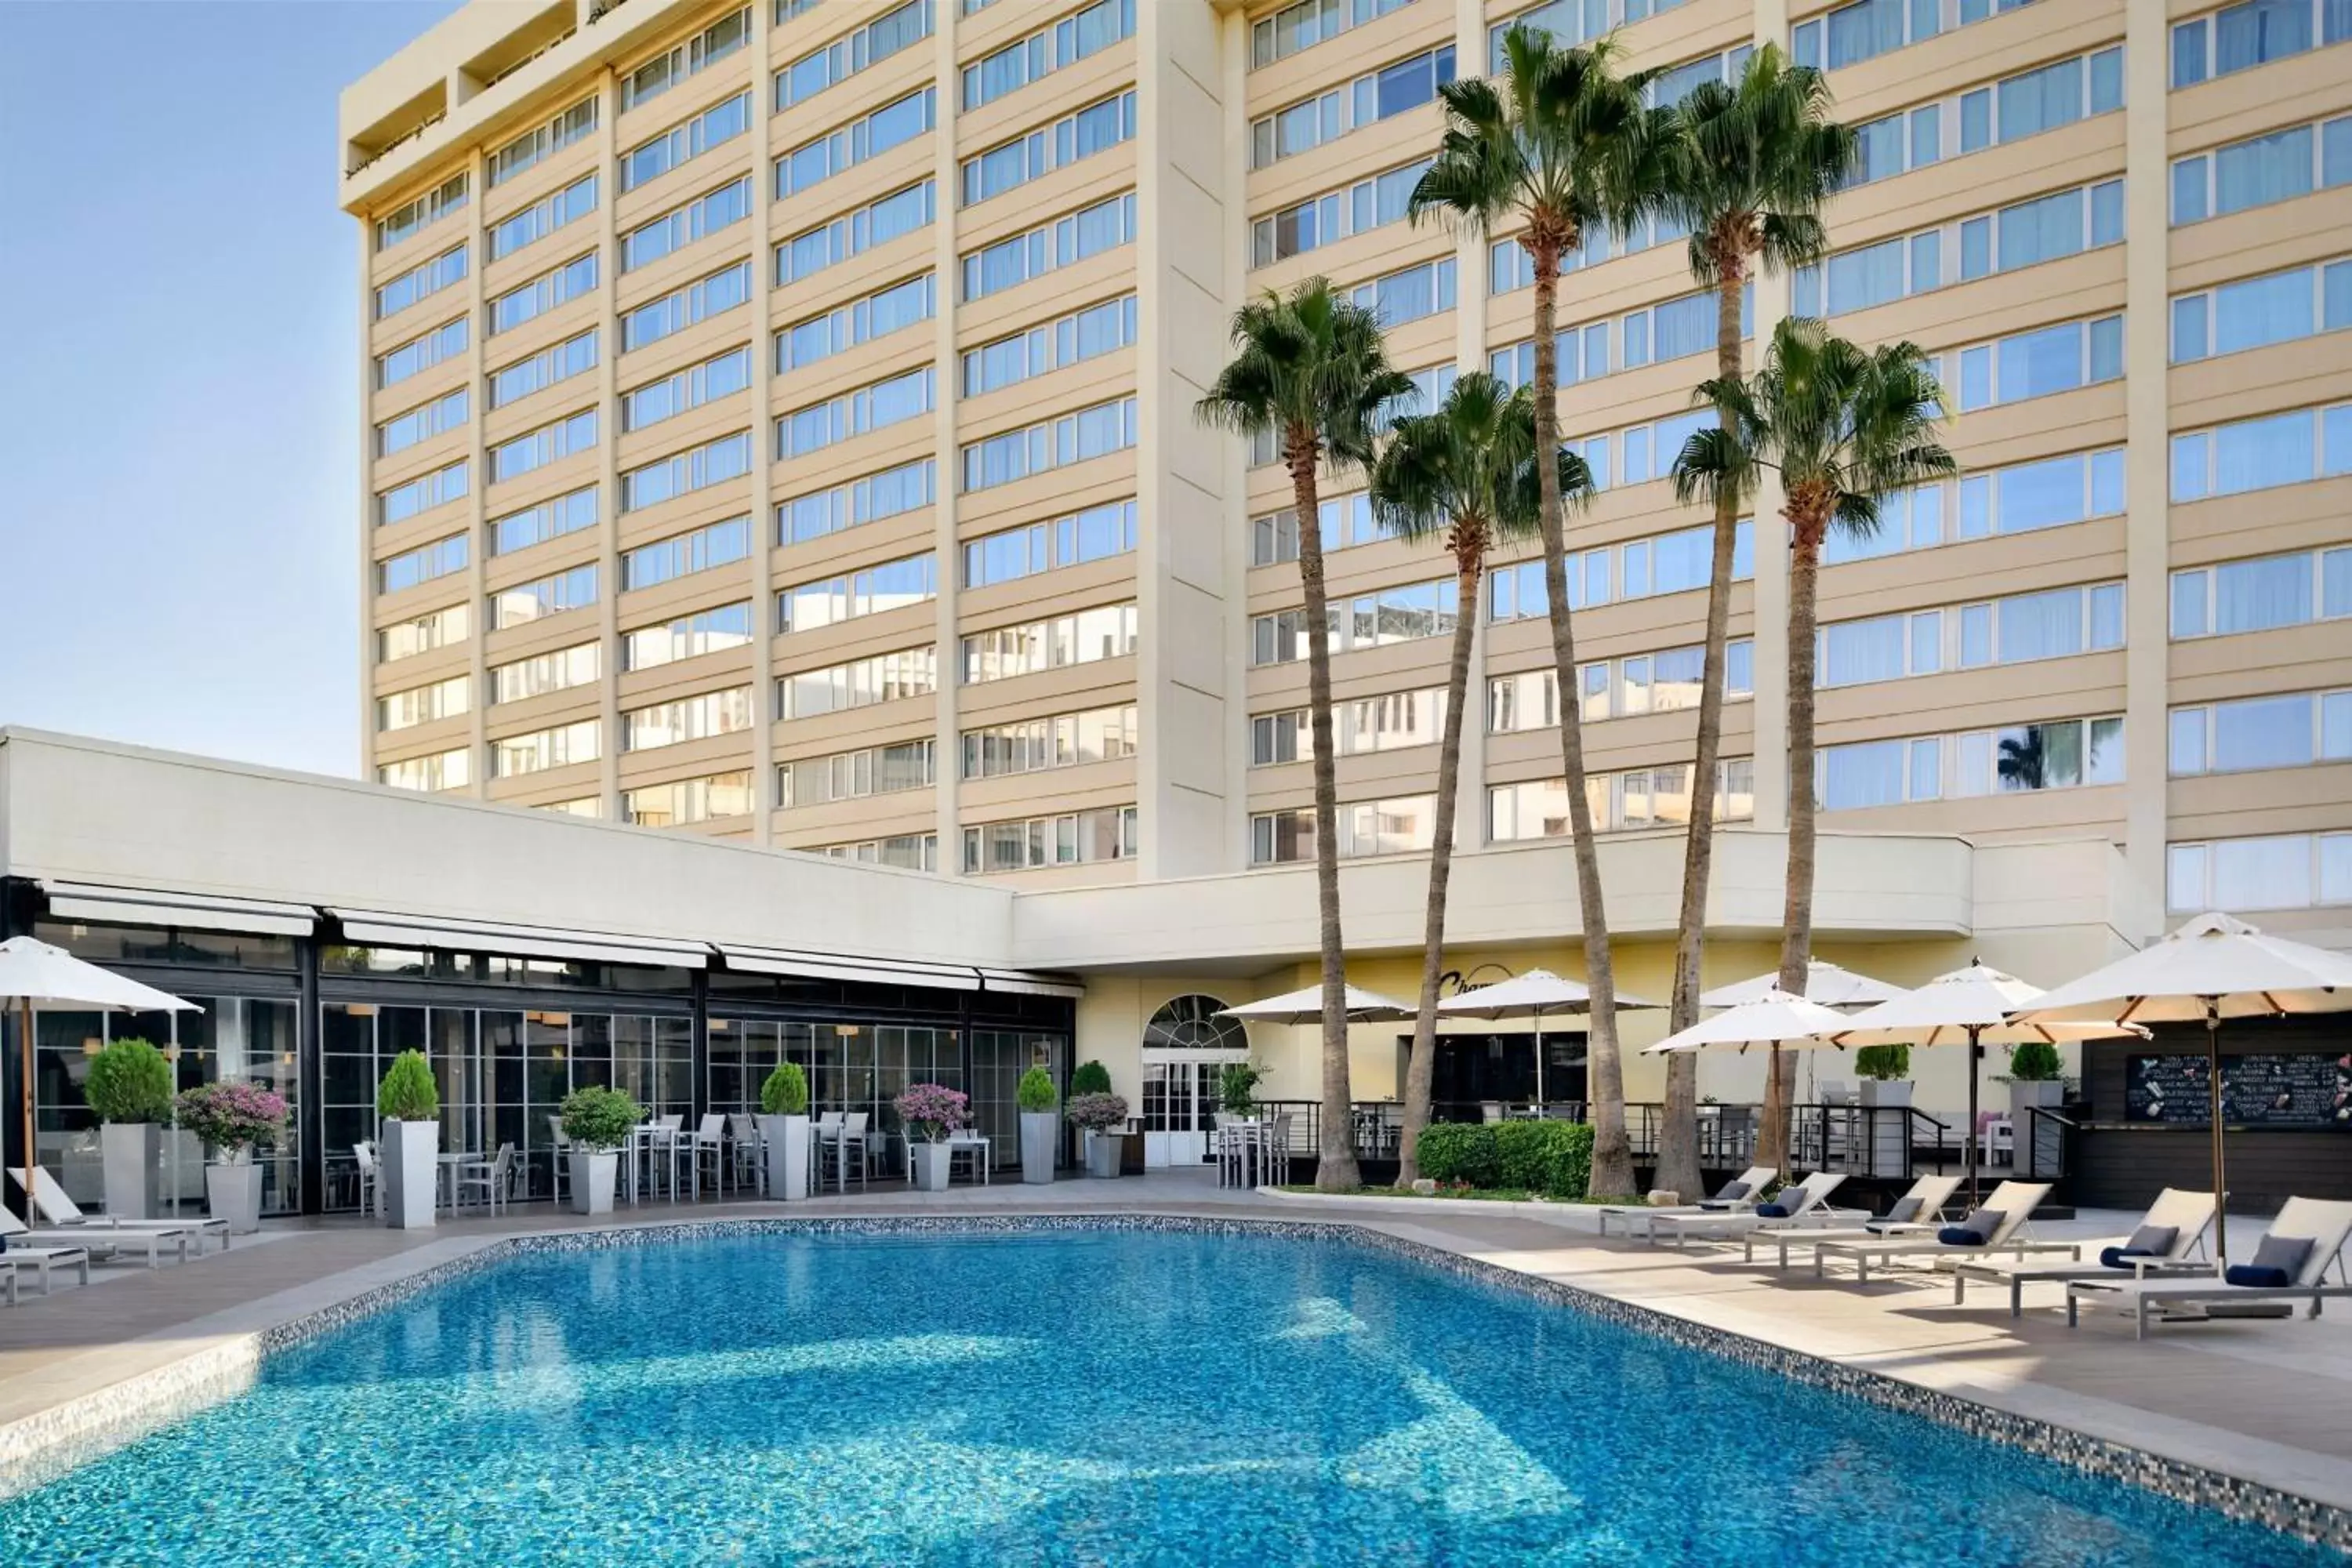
<point>1034,1092</point>
<point>1883,1063</point>
<point>1238,1088</point>
<point>2036,1061</point>
<point>129,1081</point>
<point>408,1092</point>
<point>1554,1158</point>
<point>1460,1152</point>
<point>598,1119</point>
<point>786,1092</point>
<point>1092,1078</point>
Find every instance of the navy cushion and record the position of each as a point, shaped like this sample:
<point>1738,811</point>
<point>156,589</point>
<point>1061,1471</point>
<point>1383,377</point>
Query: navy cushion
<point>1905,1209</point>
<point>2257,1277</point>
<point>2117,1256</point>
<point>1973,1231</point>
<point>1773,1211</point>
<point>1731,1191</point>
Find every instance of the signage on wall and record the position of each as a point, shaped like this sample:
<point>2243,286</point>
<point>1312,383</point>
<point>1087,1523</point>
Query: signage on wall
<point>2302,1090</point>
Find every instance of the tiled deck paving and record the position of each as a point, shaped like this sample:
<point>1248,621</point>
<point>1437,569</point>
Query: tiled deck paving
<point>2269,1403</point>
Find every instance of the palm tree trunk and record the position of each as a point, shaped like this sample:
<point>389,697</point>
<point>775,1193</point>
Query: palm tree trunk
<point>1678,1167</point>
<point>1336,1170</point>
<point>1612,1153</point>
<point>1797,914</point>
<point>1421,1065</point>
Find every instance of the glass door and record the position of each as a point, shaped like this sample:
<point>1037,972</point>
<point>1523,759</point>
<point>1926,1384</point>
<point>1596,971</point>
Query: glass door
<point>1179,1110</point>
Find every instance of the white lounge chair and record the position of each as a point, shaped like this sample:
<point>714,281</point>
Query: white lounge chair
<point>41,1258</point>
<point>2013,1200</point>
<point>1802,1204</point>
<point>2185,1215</point>
<point>103,1243</point>
<point>1741,1193</point>
<point>2323,1224</point>
<point>58,1210</point>
<point>1913,1213</point>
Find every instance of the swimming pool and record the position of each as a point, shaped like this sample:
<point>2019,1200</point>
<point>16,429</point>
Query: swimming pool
<point>1117,1395</point>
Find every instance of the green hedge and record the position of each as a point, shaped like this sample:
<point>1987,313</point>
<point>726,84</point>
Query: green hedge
<point>1554,1158</point>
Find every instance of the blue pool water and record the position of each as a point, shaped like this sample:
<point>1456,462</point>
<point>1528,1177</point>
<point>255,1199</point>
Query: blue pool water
<point>1096,1397</point>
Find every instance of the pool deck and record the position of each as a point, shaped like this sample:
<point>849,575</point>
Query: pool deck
<point>2265,1401</point>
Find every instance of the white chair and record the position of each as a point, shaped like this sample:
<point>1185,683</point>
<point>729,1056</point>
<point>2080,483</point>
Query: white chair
<point>102,1243</point>
<point>847,1139</point>
<point>974,1145</point>
<point>2321,1226</point>
<point>561,1159</point>
<point>708,1139</point>
<point>489,1176</point>
<point>60,1210</point>
<point>363,1152</point>
<point>751,1152</point>
<point>41,1258</point>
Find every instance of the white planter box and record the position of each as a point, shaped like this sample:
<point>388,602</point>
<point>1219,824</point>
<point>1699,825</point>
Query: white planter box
<point>786,1149</point>
<point>233,1193</point>
<point>1886,1092</point>
<point>408,1178</point>
<point>929,1161</point>
<point>133,1151</point>
<point>594,1172</point>
<point>1040,1131</point>
<point>1104,1152</point>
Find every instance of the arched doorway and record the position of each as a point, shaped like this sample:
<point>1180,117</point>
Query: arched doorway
<point>1185,1046</point>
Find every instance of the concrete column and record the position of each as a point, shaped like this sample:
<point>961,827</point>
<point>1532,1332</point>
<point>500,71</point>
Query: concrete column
<point>947,748</point>
<point>2147,437</point>
<point>763,437</point>
<point>608,445</point>
<point>478,486</point>
<point>366,500</point>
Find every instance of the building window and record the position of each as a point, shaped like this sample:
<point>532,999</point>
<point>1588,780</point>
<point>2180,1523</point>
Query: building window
<point>1346,521</point>
<point>868,136</point>
<point>440,770</point>
<point>854,776</point>
<point>683,473</point>
<point>443,627</point>
<point>843,57</point>
<point>1675,563</point>
<point>1090,433</point>
<point>559,362</point>
<point>539,750</point>
<point>706,49</point>
<point>683,226</point>
<point>2289,449</point>
<point>553,595</point>
<point>1085,638</point>
<point>878,314</point>
<point>543,293</point>
<point>422,423</point>
<point>1627,802</point>
<point>549,520</point>
<point>685,801</point>
<point>698,718</point>
<point>860,683</point>
<point>698,549</point>
<point>1309,23</point>
<point>526,151</point>
<point>1409,294</point>
<point>536,222</point>
<point>587,806</point>
<point>878,222</point>
<point>421,494</point>
<point>1097,533</point>
<point>2024,234</point>
<point>2263,594</point>
<point>682,308</point>
<point>2021,498</point>
<point>2019,759</point>
<point>908,851</point>
<point>1063,740</point>
<point>442,558</point>
<point>723,375</point>
<point>420,282</point>
<point>891,493</point>
<point>407,222</point>
<point>1104,227</point>
<point>2293,729</point>
<point>2006,111</point>
<point>1073,838</point>
<point>1046,50</point>
<point>2020,629</point>
<point>2038,364</point>
<point>714,127</point>
<point>2287,871</point>
<point>2256,312</point>
<point>1852,34</point>
<point>870,591</point>
<point>424,704</point>
<point>579,664</point>
<point>444,342</point>
<point>1666,681</point>
<point>2262,171</point>
<point>1366,100</point>
<point>2255,33</point>
<point>1008,166</point>
<point>714,630</point>
<point>891,401</point>
<point>1352,209</point>
<point>1395,720</point>
<point>550,443</point>
<point>1070,340</point>
<point>1403,824</point>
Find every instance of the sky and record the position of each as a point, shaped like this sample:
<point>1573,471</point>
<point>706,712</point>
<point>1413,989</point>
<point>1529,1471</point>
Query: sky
<point>179,382</point>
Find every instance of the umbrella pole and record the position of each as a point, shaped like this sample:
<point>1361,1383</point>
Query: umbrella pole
<point>1969,1134</point>
<point>25,1059</point>
<point>1539,1093</point>
<point>2213,1093</point>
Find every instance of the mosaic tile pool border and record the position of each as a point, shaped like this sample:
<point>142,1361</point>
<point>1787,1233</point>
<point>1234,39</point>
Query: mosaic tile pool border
<point>41,1447</point>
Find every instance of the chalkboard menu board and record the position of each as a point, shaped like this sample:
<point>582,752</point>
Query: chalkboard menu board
<point>2307,1090</point>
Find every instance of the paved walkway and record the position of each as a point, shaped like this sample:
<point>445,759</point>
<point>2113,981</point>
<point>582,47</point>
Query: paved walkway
<point>2268,1402</point>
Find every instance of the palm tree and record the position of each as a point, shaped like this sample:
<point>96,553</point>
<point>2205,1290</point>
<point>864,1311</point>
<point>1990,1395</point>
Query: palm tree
<point>1843,427</point>
<point>1562,141</point>
<point>1750,165</point>
<point>1311,371</point>
<point>1465,473</point>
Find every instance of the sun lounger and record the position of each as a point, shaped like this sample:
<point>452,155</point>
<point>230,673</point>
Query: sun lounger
<point>2186,1215</point>
<point>99,1242</point>
<point>1802,1204</point>
<point>2323,1224</point>
<point>1923,1202</point>
<point>59,1211</point>
<point>1750,1184</point>
<point>2013,1200</point>
<point>22,1256</point>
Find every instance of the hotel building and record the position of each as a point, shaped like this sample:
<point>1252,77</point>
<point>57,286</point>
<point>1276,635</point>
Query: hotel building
<point>780,431</point>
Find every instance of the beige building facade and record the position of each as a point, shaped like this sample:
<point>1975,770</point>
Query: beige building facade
<point>779,429</point>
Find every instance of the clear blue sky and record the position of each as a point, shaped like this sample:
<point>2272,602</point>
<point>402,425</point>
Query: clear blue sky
<point>178,380</point>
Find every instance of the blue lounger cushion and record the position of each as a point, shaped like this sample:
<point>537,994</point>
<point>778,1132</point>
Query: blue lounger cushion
<point>2276,1264</point>
<point>1974,1231</point>
<point>1731,1193</point>
<point>1776,1209</point>
<point>2147,1241</point>
<point>1904,1211</point>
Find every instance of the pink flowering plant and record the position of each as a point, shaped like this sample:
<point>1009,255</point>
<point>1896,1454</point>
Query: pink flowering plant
<point>932,1111</point>
<point>1097,1112</point>
<point>234,1118</point>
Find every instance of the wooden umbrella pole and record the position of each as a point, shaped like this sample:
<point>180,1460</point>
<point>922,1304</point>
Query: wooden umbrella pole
<point>25,1059</point>
<point>2213,1095</point>
<point>1969,1134</point>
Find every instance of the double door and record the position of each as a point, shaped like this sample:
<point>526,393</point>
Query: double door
<point>1179,1106</point>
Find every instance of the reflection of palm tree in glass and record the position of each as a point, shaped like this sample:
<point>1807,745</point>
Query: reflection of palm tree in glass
<point>2021,764</point>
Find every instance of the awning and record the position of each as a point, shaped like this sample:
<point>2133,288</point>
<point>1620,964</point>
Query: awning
<point>1023,983</point>
<point>193,911</point>
<point>847,966</point>
<point>373,926</point>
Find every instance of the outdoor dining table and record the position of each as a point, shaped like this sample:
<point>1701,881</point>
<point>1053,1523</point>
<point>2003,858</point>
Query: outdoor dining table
<point>444,1173</point>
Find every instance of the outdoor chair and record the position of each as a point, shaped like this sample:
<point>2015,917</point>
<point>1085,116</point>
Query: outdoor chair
<point>1917,1212</point>
<point>560,1175</point>
<point>2169,1239</point>
<point>1734,1194</point>
<point>973,1143</point>
<point>838,1144</point>
<point>2006,1212</point>
<point>2311,1231</point>
<point>751,1152</point>
<point>41,1260</point>
<point>363,1162</point>
<point>61,1212</point>
<point>489,1177</point>
<point>1800,1204</point>
<point>709,1141</point>
<point>102,1243</point>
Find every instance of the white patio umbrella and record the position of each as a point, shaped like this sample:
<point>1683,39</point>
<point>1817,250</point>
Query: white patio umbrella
<point>1970,1006</point>
<point>2214,968</point>
<point>1774,1019</point>
<point>34,975</point>
<point>1824,983</point>
<point>1307,1007</point>
<point>1539,995</point>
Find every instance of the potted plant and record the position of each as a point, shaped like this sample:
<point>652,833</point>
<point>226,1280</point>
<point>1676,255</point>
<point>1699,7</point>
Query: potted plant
<point>2035,1081</point>
<point>597,1121</point>
<point>1238,1088</point>
<point>1091,1078</point>
<point>1041,1128</point>
<point>236,1119</point>
<point>1885,1074</point>
<point>408,1155</point>
<point>130,1090</point>
<point>784,1131</point>
<point>931,1112</point>
<point>1102,1118</point>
